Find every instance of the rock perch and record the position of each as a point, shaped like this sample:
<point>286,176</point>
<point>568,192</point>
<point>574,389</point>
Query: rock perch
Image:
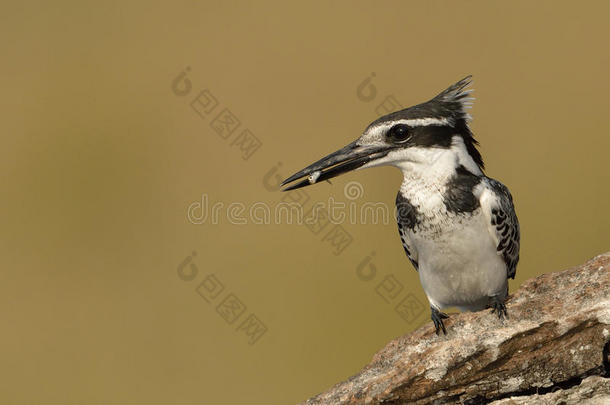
<point>554,348</point>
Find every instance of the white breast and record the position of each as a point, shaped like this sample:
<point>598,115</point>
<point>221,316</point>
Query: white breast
<point>459,266</point>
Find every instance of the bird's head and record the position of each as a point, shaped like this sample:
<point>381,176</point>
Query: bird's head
<point>419,137</point>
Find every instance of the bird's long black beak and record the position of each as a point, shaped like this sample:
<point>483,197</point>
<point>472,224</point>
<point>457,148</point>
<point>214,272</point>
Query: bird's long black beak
<point>342,161</point>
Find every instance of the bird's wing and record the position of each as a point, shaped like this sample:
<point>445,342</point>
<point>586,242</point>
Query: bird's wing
<point>406,218</point>
<point>497,205</point>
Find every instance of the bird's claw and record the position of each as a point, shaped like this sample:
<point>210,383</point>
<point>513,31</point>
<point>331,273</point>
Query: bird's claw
<point>498,306</point>
<point>437,317</point>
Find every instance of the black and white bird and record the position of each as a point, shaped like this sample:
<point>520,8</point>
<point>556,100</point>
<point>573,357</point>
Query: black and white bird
<point>458,226</point>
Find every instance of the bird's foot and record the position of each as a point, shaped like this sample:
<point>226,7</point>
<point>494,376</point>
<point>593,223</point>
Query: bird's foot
<point>497,306</point>
<point>437,317</point>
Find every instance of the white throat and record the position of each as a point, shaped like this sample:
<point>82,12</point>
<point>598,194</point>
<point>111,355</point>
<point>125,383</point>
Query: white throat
<point>427,170</point>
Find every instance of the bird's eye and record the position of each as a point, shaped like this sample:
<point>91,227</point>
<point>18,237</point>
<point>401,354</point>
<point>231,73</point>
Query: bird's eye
<point>399,133</point>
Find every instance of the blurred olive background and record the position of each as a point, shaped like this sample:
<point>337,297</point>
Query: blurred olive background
<point>102,155</point>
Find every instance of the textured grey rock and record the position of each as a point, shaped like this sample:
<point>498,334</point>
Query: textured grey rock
<point>557,335</point>
<point>594,390</point>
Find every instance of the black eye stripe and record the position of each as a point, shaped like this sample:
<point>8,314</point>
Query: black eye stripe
<point>425,135</point>
<point>433,135</point>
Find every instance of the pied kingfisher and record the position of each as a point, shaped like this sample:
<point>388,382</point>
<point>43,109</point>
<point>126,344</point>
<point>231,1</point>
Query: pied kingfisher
<point>457,226</point>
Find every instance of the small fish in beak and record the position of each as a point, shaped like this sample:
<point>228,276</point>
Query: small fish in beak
<point>314,177</point>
